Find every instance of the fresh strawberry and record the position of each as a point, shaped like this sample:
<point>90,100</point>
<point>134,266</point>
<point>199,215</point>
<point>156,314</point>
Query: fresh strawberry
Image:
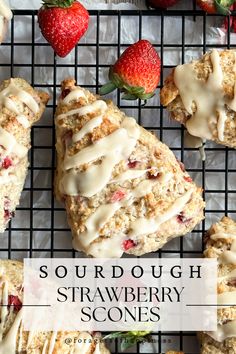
<point>136,72</point>
<point>230,23</point>
<point>164,4</point>
<point>215,6</point>
<point>63,23</point>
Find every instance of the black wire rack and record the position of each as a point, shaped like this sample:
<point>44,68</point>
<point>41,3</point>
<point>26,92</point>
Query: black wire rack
<point>39,228</point>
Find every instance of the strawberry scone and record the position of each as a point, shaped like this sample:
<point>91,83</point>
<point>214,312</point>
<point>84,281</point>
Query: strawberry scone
<point>221,244</point>
<point>202,96</point>
<point>20,107</point>
<point>124,190</point>
<point>13,339</point>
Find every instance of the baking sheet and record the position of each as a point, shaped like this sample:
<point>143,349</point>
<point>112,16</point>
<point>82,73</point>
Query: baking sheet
<point>41,218</point>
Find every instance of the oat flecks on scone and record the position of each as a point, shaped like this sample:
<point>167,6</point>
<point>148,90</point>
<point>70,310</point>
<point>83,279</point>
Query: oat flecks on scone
<point>123,189</point>
<point>221,244</point>
<point>202,96</point>
<point>19,341</point>
<point>20,107</point>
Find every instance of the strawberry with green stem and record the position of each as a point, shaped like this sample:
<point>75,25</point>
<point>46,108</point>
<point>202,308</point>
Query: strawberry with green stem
<point>136,72</point>
<point>129,339</point>
<point>63,23</point>
<point>221,7</point>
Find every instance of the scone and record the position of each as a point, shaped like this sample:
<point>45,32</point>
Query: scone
<point>5,17</point>
<point>13,339</point>
<point>20,107</point>
<point>172,352</point>
<point>124,190</point>
<point>221,244</point>
<point>202,96</point>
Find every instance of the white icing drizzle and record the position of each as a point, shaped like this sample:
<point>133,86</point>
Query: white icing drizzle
<point>91,108</point>
<point>227,298</point>
<point>144,226</point>
<point>22,95</point>
<point>113,148</point>
<point>97,349</point>
<point>111,246</point>
<point>232,103</point>
<point>52,342</point>
<point>208,97</point>
<point>45,346</point>
<point>4,310</point>
<point>9,142</point>
<point>87,128</point>
<point>74,95</point>
<point>23,121</point>
<point>191,141</point>
<point>9,343</point>
<point>129,175</point>
<point>5,11</point>
<point>228,256</point>
<point>83,343</point>
<point>224,331</point>
<point>108,247</point>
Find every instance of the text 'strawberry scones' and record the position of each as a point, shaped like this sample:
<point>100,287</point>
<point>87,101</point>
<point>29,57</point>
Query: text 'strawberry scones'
<point>13,339</point>
<point>202,96</point>
<point>20,107</point>
<point>221,244</point>
<point>123,189</point>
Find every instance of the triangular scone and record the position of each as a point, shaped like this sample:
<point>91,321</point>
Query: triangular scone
<point>20,107</point>
<point>202,96</point>
<point>123,189</point>
<point>13,339</point>
<point>221,244</point>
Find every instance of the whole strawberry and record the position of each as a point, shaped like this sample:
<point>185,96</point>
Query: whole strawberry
<point>63,23</point>
<point>136,72</point>
<point>162,3</point>
<point>215,6</point>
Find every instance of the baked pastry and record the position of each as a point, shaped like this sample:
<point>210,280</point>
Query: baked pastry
<point>124,190</point>
<point>172,352</point>
<point>221,244</point>
<point>202,96</point>
<point>5,17</point>
<point>20,107</point>
<point>14,340</point>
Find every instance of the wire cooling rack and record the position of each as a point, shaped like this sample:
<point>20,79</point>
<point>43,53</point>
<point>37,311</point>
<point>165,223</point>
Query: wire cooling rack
<point>39,228</point>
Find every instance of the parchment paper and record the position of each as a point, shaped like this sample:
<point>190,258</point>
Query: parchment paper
<point>42,158</point>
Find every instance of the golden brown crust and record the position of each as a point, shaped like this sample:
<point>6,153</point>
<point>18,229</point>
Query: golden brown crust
<point>149,151</point>
<point>203,67</point>
<point>214,249</point>
<point>10,190</point>
<point>12,273</point>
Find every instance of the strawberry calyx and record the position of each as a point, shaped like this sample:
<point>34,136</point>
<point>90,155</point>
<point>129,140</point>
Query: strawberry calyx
<point>129,92</point>
<point>223,6</point>
<point>58,3</point>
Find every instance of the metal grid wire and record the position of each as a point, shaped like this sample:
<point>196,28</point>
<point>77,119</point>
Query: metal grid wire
<point>36,217</point>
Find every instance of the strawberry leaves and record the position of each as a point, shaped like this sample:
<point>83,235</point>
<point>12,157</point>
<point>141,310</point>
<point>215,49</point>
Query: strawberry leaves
<point>129,339</point>
<point>58,3</point>
<point>223,6</point>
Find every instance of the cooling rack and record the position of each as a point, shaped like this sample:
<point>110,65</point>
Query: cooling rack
<point>39,228</point>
